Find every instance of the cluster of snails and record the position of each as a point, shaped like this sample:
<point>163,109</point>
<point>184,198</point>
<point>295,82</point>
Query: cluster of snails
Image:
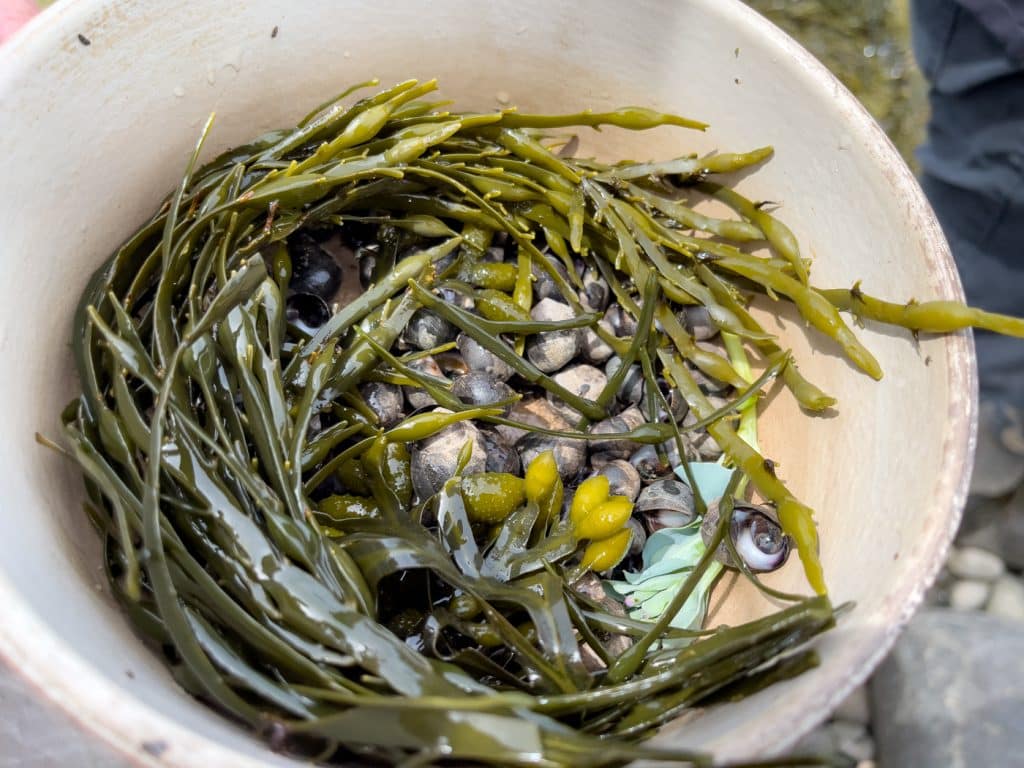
<point>577,359</point>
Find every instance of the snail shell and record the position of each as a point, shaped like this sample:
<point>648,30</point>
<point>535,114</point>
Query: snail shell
<point>666,503</point>
<point>755,532</point>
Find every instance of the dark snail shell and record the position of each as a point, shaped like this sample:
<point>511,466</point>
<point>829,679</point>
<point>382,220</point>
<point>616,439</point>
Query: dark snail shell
<point>306,311</point>
<point>314,270</point>
<point>648,465</point>
<point>755,533</point>
<point>666,503</point>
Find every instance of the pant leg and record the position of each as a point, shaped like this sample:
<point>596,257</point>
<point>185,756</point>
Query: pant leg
<point>973,172</point>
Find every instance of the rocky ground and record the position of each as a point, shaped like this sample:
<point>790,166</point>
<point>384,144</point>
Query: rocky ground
<point>952,691</point>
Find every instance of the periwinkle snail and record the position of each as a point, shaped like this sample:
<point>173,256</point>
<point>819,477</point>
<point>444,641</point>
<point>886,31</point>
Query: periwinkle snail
<point>756,535</point>
<point>306,311</point>
<point>666,503</point>
<point>314,271</point>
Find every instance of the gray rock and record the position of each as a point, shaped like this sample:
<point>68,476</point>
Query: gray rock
<point>1007,600</point>
<point>999,459</point>
<point>501,457</point>
<point>969,595</point>
<point>452,363</point>
<point>677,405</point>
<point>707,383</point>
<point>938,595</point>
<point>543,286</point>
<point>996,525</point>
<point>856,708</point>
<point>450,295</point>
<point>950,693</point>
<point>1011,532</point>
<point>974,563</point>
<point>595,293</point>
<point>703,444</point>
<point>628,420</point>
<point>613,447</point>
<point>708,449</point>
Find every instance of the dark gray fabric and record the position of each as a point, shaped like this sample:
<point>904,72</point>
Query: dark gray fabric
<point>1004,19</point>
<point>973,162</point>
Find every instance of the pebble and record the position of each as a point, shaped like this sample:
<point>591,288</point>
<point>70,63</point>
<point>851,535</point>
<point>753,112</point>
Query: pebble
<point>969,595</point>
<point>950,693</point>
<point>707,447</point>
<point>623,323</point>
<point>1011,532</point>
<point>705,382</point>
<point>996,525</point>
<point>856,708</point>
<point>975,563</point>
<point>1007,600</point>
<point>543,286</point>
<point>612,448</point>
<point>938,595</point>
<point>501,457</point>
<point>595,293</point>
